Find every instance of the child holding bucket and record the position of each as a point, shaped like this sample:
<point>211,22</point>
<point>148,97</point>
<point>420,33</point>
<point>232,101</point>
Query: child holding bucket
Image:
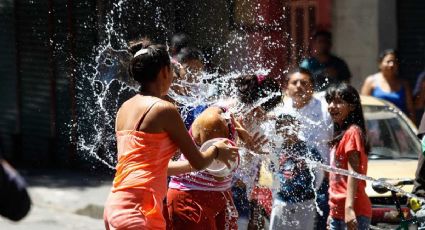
<point>350,207</point>
<point>202,199</point>
<point>294,201</point>
<point>149,130</point>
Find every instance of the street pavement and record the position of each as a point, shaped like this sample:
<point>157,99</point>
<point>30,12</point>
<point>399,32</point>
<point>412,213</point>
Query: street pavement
<point>63,200</point>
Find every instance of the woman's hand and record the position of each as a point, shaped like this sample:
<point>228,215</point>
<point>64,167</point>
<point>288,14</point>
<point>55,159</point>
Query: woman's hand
<point>226,153</point>
<point>350,218</point>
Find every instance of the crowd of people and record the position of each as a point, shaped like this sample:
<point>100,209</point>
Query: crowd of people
<point>161,181</point>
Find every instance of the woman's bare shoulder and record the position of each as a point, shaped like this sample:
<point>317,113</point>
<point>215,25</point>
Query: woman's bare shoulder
<point>164,106</point>
<point>371,79</point>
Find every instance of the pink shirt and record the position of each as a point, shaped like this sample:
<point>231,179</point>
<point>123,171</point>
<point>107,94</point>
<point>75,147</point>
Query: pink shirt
<point>352,141</point>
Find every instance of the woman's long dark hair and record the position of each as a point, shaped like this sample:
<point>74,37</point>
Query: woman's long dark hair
<point>350,95</point>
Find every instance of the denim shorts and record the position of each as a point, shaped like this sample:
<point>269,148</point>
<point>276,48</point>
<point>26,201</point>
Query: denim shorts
<point>337,224</point>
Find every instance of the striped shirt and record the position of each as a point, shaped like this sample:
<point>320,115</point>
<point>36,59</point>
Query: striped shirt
<point>202,180</point>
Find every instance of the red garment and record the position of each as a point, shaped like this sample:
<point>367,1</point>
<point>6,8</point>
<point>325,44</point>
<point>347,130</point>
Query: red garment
<point>195,210</point>
<point>350,142</point>
<point>264,197</point>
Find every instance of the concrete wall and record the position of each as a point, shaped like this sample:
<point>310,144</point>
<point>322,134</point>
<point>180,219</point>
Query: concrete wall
<point>360,30</point>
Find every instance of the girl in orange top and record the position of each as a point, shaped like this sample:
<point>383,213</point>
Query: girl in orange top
<point>149,130</point>
<point>350,207</point>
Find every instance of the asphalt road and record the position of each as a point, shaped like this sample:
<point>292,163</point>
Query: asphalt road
<point>42,218</point>
<point>63,200</point>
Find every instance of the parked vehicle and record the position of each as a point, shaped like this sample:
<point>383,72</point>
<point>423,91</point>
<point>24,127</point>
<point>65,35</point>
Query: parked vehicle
<point>394,150</point>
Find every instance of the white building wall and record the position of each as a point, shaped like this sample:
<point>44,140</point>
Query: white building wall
<point>360,29</point>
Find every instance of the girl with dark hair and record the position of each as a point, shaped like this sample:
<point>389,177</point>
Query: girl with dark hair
<point>387,84</point>
<point>350,207</point>
<point>149,130</point>
<point>258,91</point>
<point>256,96</point>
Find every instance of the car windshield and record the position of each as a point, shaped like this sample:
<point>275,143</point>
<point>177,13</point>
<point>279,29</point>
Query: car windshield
<point>389,135</point>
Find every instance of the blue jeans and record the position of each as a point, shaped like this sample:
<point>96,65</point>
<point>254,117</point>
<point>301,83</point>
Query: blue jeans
<point>337,224</point>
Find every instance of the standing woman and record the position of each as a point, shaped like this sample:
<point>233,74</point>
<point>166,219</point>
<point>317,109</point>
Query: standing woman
<point>149,130</point>
<point>350,207</point>
<point>387,85</point>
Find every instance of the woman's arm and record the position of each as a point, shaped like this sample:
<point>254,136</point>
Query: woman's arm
<point>353,165</point>
<point>367,87</point>
<point>174,126</point>
<point>179,167</point>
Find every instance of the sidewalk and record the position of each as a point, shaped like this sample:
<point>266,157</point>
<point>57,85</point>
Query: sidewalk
<point>63,200</point>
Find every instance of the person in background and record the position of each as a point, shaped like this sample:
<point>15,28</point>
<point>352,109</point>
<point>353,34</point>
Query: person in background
<point>178,42</point>
<point>256,95</point>
<point>419,96</point>
<point>149,131</point>
<point>188,69</point>
<point>316,127</point>
<point>294,204</point>
<point>326,68</point>
<point>388,85</point>
<point>350,207</point>
<point>192,60</point>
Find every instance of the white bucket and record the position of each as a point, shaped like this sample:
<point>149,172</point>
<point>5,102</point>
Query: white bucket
<point>218,168</point>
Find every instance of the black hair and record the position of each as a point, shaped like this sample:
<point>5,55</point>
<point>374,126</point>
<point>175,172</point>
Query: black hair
<point>144,67</point>
<point>384,53</point>
<point>250,89</point>
<point>176,69</point>
<point>269,87</point>
<point>323,33</point>
<point>302,70</point>
<point>350,95</point>
<point>178,42</point>
<point>286,118</point>
<point>189,53</point>
<point>247,88</point>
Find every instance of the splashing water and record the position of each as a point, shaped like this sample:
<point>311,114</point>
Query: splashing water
<point>363,177</point>
<point>105,85</point>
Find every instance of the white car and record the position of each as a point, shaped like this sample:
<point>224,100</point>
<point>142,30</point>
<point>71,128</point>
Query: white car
<point>394,150</point>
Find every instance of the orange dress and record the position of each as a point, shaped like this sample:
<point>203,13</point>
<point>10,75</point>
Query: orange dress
<point>140,183</point>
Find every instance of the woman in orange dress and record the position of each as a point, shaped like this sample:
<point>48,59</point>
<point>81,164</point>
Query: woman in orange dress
<point>149,130</point>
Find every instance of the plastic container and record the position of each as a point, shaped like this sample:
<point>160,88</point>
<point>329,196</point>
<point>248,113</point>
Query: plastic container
<point>218,168</point>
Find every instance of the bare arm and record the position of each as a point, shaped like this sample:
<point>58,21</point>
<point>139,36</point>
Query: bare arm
<point>367,86</point>
<point>353,165</point>
<point>178,167</point>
